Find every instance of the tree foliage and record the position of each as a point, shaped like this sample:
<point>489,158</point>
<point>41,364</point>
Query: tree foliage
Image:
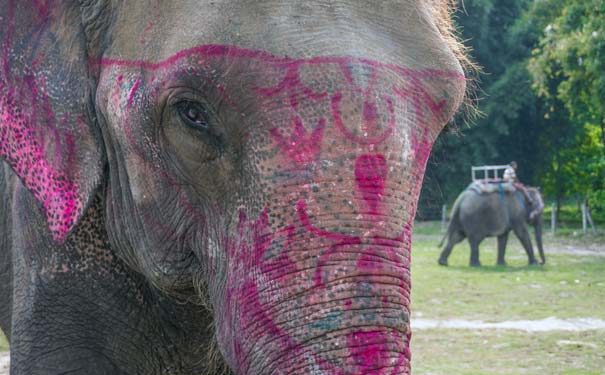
<point>543,100</point>
<point>568,66</point>
<point>571,52</point>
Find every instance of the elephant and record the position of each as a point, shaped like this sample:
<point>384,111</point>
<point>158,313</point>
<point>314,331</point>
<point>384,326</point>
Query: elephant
<point>216,187</point>
<point>483,211</point>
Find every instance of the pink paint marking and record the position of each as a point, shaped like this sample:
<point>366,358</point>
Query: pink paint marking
<point>258,278</point>
<point>372,260</point>
<point>43,9</point>
<point>19,146</point>
<point>319,275</point>
<point>301,208</point>
<point>133,91</point>
<point>57,194</point>
<point>370,176</point>
<point>301,148</point>
<point>219,50</point>
<point>345,68</point>
<point>281,267</point>
<point>291,84</point>
<point>365,139</point>
<point>29,125</point>
<point>244,291</point>
<point>369,349</point>
<point>379,261</point>
<point>292,90</point>
<point>146,31</point>
<point>422,148</point>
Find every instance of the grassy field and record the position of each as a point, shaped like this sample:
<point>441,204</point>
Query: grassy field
<point>3,343</point>
<point>570,285</point>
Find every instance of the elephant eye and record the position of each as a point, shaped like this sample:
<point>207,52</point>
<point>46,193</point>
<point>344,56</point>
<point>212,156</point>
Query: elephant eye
<point>197,117</point>
<point>193,114</point>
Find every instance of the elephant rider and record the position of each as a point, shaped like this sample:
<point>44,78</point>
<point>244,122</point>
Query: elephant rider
<point>510,175</point>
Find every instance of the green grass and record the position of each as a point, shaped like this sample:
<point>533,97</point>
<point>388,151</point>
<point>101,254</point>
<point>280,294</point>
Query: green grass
<point>507,353</point>
<point>568,286</point>
<point>570,214</point>
<point>3,342</point>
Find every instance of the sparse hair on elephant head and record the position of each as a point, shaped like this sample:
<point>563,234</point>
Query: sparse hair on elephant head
<point>443,14</point>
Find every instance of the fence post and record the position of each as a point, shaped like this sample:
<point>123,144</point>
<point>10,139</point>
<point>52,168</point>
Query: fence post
<point>584,217</point>
<point>589,218</point>
<point>443,217</point>
<point>553,218</point>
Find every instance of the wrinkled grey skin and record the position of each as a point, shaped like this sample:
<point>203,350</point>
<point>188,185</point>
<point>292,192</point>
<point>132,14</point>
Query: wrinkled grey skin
<point>479,216</point>
<point>148,278</point>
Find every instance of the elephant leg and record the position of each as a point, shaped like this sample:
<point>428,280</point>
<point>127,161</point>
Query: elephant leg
<point>474,252</point>
<point>523,235</point>
<point>453,238</point>
<point>502,240</point>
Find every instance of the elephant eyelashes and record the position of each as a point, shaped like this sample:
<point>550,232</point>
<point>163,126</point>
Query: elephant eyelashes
<point>197,117</point>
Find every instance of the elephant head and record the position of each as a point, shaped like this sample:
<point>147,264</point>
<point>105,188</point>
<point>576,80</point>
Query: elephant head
<point>270,153</point>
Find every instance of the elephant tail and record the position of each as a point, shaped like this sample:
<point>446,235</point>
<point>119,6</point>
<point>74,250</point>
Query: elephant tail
<point>453,218</point>
<point>443,239</point>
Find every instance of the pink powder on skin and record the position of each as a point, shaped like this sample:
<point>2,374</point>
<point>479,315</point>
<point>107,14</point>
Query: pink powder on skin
<point>301,141</point>
<point>253,272</point>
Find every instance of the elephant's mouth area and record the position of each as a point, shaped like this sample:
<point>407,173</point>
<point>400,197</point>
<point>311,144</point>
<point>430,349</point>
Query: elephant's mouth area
<point>175,274</point>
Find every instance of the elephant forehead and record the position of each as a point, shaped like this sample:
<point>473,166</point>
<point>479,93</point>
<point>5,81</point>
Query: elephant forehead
<point>283,82</point>
<point>357,103</point>
<point>395,31</point>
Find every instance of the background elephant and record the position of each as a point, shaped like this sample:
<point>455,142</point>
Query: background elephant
<point>479,215</point>
<point>205,187</point>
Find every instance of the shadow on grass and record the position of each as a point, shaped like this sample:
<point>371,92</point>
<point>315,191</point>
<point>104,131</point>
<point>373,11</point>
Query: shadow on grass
<point>497,269</point>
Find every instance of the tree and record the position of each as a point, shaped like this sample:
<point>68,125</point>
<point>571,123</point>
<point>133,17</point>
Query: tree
<point>568,67</point>
<point>543,100</point>
<point>486,26</point>
<point>571,52</point>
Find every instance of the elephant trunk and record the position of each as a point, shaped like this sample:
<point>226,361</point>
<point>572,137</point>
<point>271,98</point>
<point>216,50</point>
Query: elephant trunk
<point>321,302</point>
<point>319,283</point>
<point>535,218</point>
<point>538,223</point>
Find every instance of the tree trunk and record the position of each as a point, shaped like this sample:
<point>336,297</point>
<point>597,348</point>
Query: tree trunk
<point>603,134</point>
<point>559,199</point>
<point>558,187</point>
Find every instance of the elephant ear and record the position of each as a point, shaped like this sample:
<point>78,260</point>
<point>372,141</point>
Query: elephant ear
<point>46,123</point>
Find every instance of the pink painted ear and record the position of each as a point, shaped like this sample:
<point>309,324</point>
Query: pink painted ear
<point>46,135</point>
